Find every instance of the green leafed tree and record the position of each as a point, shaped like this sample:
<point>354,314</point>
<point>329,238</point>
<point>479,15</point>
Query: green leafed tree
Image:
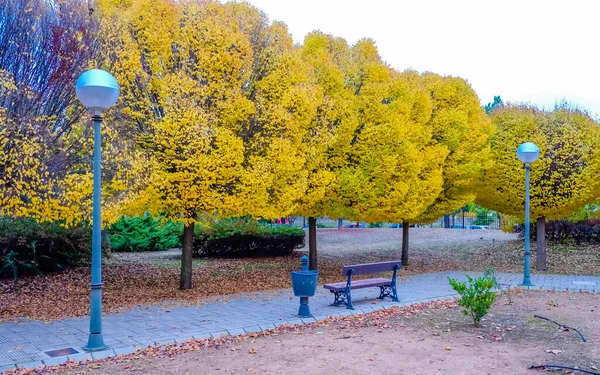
<point>493,105</point>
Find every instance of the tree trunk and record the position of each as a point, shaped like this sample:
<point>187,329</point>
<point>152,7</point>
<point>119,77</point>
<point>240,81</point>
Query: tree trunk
<point>185,280</point>
<point>540,253</point>
<point>446,221</point>
<point>312,243</point>
<point>340,223</point>
<point>106,246</point>
<point>405,228</point>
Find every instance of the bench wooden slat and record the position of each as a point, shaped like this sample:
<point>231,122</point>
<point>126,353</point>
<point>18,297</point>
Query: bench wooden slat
<point>362,269</point>
<point>358,284</point>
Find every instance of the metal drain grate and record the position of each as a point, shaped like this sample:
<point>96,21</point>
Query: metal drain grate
<point>61,352</point>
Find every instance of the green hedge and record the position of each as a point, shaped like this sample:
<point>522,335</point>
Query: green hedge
<point>244,237</point>
<point>132,234</point>
<point>28,247</point>
<point>565,231</point>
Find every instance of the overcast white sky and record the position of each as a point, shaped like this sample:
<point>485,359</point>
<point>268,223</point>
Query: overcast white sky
<point>525,51</point>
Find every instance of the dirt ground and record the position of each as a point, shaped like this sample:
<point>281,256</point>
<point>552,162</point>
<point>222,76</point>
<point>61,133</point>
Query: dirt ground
<point>340,242</point>
<point>429,341</point>
<point>436,249</point>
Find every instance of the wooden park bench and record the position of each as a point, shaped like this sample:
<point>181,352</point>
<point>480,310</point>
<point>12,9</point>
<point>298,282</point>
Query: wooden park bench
<point>387,286</point>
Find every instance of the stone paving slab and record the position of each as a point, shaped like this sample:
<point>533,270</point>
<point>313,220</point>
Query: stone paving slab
<point>24,343</point>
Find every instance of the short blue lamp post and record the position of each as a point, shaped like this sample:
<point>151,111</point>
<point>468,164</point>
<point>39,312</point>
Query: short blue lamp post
<point>527,153</point>
<point>304,284</point>
<point>97,90</point>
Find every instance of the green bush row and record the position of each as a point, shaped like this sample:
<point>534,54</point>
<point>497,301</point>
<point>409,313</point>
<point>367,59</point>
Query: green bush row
<point>245,237</point>
<point>231,237</point>
<point>132,234</point>
<point>565,231</point>
<point>29,247</point>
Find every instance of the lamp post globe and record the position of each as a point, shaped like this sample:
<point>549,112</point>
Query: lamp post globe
<point>527,153</point>
<point>97,90</point>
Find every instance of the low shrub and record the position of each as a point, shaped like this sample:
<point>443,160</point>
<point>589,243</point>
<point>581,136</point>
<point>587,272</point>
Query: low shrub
<point>565,231</point>
<point>509,223</point>
<point>132,234</point>
<point>28,247</point>
<point>478,296</point>
<point>244,237</point>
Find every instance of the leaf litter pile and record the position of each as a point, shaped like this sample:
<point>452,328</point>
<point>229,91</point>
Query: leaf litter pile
<point>127,285</point>
<point>144,283</point>
<point>152,278</point>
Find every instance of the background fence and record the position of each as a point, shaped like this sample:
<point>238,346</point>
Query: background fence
<point>469,220</point>
<point>457,220</point>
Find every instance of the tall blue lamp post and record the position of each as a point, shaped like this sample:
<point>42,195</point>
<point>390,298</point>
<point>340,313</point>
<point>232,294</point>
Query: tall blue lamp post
<point>527,153</point>
<point>97,90</point>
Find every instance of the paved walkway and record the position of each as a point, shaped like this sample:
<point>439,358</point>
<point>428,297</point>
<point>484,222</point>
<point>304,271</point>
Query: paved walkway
<point>25,343</point>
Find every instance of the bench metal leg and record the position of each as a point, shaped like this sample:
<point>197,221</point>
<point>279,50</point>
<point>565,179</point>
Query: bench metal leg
<point>349,299</point>
<point>342,298</point>
<point>345,297</point>
<point>339,298</point>
<point>389,291</point>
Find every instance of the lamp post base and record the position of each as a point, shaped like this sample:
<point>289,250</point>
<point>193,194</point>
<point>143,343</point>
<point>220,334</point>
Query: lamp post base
<point>526,282</point>
<point>304,310</point>
<point>95,342</point>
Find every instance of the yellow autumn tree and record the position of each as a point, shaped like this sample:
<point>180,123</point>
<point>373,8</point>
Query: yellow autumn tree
<point>460,125</point>
<point>286,100</point>
<point>328,134</point>
<point>563,179</point>
<point>220,119</point>
<point>182,67</point>
<point>302,106</point>
<point>394,168</point>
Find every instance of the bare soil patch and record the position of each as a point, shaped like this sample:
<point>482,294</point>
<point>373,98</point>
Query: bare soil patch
<point>436,339</point>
